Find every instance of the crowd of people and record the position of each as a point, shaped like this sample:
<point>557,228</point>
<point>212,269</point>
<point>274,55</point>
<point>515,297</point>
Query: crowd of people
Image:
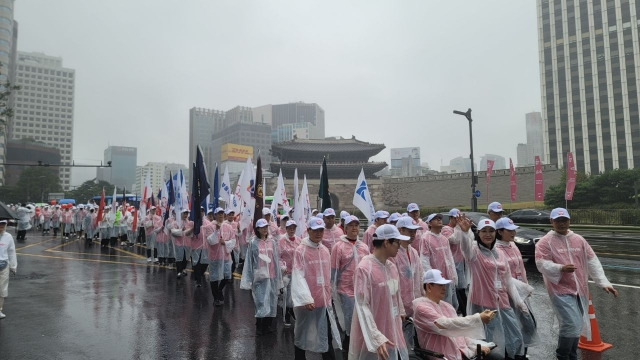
<point>407,284</point>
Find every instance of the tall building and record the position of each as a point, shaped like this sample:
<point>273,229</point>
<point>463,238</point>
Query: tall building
<point>297,120</point>
<point>122,172</point>
<point>44,105</point>
<point>589,63</point>
<point>251,134</point>
<point>8,45</point>
<point>203,123</point>
<point>457,165</point>
<point>405,162</point>
<point>499,162</point>
<point>534,146</point>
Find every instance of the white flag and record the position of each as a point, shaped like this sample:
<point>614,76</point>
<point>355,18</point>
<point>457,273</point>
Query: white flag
<point>113,203</point>
<point>302,212</point>
<point>280,198</point>
<point>225,188</point>
<point>295,188</point>
<point>362,198</point>
<point>236,202</point>
<point>246,189</point>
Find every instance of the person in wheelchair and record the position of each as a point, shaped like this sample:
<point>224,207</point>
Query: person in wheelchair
<point>439,328</point>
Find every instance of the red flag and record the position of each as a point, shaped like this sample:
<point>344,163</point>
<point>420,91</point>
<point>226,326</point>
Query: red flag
<point>539,186</point>
<point>489,171</point>
<point>512,180</point>
<point>571,177</point>
<point>134,226</point>
<point>101,207</point>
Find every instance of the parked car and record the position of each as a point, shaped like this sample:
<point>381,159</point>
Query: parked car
<point>530,216</point>
<point>525,239</point>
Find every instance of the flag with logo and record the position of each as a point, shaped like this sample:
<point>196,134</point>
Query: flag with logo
<point>225,189</point>
<point>362,198</point>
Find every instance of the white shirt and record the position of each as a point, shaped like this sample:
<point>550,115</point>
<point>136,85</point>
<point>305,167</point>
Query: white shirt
<point>8,250</point>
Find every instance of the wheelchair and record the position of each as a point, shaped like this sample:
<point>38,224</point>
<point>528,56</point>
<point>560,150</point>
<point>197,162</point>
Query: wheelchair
<point>419,353</point>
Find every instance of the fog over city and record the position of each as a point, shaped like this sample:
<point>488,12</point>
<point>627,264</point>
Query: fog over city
<point>387,72</point>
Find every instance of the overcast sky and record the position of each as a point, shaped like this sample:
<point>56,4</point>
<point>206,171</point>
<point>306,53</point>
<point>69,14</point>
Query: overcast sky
<point>385,71</point>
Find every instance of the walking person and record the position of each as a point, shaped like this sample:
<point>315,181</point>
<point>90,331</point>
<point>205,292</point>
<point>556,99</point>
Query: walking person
<point>287,246</point>
<point>182,239</point>
<point>24,221</point>
<point>566,262</point>
<point>316,326</point>
<point>261,274</point>
<point>492,288</point>
<point>8,262</point>
<point>376,330</point>
<point>345,257</point>
<point>221,242</point>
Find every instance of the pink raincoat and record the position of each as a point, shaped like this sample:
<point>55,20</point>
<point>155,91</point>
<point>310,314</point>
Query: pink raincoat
<point>377,318</point>
<point>458,332</point>
<point>331,236</point>
<point>367,238</point>
<point>410,271</point>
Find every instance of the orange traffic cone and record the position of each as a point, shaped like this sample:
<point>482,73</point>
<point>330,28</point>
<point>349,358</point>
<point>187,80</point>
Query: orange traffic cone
<point>595,343</point>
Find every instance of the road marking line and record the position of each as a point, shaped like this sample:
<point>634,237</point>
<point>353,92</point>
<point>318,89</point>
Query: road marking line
<point>621,285</point>
<point>34,244</point>
<point>89,254</point>
<point>61,245</point>
<point>89,260</point>
<point>605,253</point>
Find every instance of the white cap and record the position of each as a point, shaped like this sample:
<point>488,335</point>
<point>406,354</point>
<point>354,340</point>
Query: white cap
<point>495,207</point>
<point>329,212</point>
<point>486,223</point>
<point>266,211</point>
<point>316,223</point>
<point>380,214</point>
<point>320,215</point>
<point>406,222</point>
<point>505,223</point>
<point>393,217</point>
<point>290,222</point>
<point>388,231</point>
<point>559,212</point>
<point>351,218</point>
<point>454,213</point>
<point>412,207</point>
<point>186,211</point>
<point>314,210</point>
<point>218,210</point>
<point>81,206</point>
<point>261,223</point>
<point>3,221</point>
<point>229,211</point>
<point>344,214</point>
<point>434,276</point>
<point>431,216</point>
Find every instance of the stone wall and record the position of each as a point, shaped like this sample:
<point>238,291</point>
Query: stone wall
<point>452,190</point>
<point>448,190</point>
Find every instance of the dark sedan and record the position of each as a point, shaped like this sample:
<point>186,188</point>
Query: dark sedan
<point>530,216</point>
<point>525,240</point>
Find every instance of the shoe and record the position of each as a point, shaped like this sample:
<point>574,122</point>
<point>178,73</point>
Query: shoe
<point>218,302</point>
<point>184,273</point>
<point>156,260</point>
<point>2,316</point>
<point>179,275</point>
<point>287,324</point>
<point>149,260</point>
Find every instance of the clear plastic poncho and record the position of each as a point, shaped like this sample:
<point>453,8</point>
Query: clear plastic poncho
<point>457,333</point>
<point>219,253</point>
<point>344,259</point>
<point>435,253</point>
<point>311,284</point>
<point>286,248</point>
<point>554,251</point>
<point>491,287</point>
<point>182,238</point>
<point>261,274</point>
<point>331,236</point>
<point>379,308</point>
<point>455,236</point>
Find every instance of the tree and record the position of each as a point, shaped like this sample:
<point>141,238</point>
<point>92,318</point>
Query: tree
<point>611,189</point>
<point>33,186</point>
<point>88,189</point>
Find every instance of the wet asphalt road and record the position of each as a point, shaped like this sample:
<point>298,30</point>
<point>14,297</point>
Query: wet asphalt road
<point>72,301</point>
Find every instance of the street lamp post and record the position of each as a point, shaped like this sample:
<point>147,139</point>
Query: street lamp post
<point>474,200</point>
